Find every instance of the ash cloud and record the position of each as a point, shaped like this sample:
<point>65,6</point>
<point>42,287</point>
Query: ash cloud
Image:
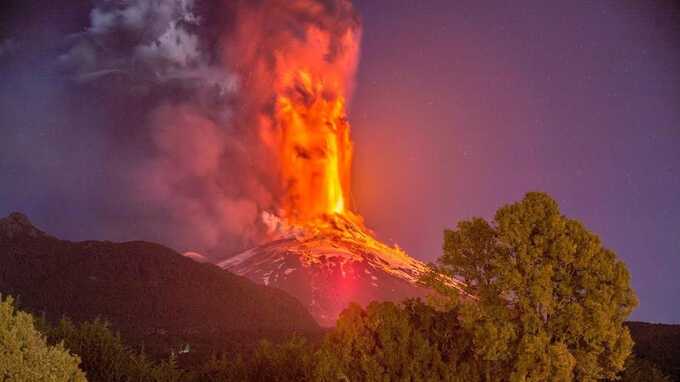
<point>141,119</point>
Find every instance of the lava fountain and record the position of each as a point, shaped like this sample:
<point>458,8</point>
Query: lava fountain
<point>315,149</point>
<point>309,132</point>
<point>319,249</point>
<point>251,145</point>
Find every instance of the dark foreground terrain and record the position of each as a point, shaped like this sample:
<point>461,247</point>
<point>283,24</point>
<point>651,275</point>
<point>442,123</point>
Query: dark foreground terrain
<point>153,295</point>
<point>658,343</point>
<point>163,301</point>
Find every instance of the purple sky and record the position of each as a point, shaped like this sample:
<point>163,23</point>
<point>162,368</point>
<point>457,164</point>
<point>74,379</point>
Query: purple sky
<point>463,106</point>
<point>460,107</point>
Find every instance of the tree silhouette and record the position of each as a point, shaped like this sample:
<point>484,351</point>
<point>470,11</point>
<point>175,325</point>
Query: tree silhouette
<point>545,300</point>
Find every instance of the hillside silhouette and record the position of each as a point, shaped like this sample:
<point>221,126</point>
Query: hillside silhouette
<point>153,295</point>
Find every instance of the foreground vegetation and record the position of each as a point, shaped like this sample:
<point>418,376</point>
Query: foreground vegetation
<point>25,354</point>
<point>543,301</point>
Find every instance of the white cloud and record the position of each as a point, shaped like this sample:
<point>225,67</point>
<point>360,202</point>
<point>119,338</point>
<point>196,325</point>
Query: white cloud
<point>175,46</point>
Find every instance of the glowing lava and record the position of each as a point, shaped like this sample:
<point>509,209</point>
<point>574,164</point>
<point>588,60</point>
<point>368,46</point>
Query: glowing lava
<point>308,130</point>
<point>310,135</point>
<point>317,248</point>
<point>315,150</point>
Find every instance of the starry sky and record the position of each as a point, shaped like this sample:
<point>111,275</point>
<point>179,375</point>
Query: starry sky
<point>459,107</point>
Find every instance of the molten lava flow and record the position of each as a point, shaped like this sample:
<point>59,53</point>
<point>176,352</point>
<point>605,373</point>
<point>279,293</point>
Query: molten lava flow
<point>315,150</point>
<point>307,130</point>
<point>315,154</point>
<point>316,246</point>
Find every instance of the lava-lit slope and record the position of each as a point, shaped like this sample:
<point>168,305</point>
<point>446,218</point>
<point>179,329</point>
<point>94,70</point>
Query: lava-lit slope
<point>327,266</point>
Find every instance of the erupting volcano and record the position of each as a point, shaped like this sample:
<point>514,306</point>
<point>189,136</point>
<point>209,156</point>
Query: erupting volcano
<point>318,247</point>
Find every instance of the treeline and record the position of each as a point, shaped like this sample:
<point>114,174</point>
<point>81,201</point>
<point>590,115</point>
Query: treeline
<point>658,343</point>
<point>411,341</point>
<point>543,301</point>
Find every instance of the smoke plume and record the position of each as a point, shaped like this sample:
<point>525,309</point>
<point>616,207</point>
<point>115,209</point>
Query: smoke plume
<point>174,101</point>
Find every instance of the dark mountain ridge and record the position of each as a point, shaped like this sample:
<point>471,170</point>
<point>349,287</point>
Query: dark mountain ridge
<point>150,293</point>
<point>659,344</point>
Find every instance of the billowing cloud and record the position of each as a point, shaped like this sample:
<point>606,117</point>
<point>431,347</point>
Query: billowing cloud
<point>172,99</point>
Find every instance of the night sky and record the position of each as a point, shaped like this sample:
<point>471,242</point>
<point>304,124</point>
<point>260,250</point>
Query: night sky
<point>463,106</point>
<point>459,107</point>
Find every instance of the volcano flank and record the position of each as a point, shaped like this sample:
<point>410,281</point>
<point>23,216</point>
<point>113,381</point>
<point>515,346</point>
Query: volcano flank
<point>329,264</point>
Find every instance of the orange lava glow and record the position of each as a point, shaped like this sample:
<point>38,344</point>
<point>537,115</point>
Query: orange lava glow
<point>316,151</point>
<point>310,133</point>
<point>310,136</point>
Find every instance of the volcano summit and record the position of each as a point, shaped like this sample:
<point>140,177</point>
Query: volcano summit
<point>329,264</point>
<point>317,247</point>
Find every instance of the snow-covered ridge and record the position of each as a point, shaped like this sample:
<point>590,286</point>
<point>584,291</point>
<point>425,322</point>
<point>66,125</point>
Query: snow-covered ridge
<point>339,239</point>
<point>329,263</point>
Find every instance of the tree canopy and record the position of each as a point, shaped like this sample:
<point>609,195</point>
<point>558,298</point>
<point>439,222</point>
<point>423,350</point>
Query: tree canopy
<point>105,358</point>
<point>25,354</point>
<point>544,300</point>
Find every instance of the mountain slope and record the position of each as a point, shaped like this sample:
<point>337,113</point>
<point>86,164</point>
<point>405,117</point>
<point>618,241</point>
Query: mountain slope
<point>330,264</point>
<point>149,292</point>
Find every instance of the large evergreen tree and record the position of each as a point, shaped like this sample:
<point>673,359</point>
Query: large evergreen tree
<point>410,341</point>
<point>544,300</point>
<point>24,352</point>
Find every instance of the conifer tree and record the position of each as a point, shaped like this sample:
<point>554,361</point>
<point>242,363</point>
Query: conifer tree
<point>544,299</point>
<point>25,354</point>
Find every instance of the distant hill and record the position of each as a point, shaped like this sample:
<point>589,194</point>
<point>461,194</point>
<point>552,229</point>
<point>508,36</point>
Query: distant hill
<point>150,293</point>
<point>658,343</point>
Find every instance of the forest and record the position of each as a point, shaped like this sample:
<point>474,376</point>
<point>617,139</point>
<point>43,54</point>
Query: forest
<point>543,300</point>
